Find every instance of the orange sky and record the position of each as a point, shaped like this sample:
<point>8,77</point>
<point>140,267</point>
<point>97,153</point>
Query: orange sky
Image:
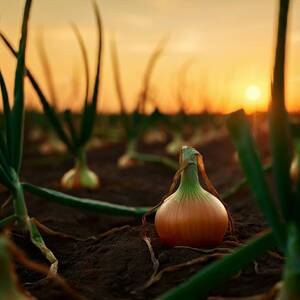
<point>229,42</point>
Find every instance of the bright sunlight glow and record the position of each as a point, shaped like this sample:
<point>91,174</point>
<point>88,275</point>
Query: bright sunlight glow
<point>253,93</point>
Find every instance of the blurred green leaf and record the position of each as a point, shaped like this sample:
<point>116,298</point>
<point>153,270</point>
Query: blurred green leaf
<point>4,162</point>
<point>82,203</point>
<point>85,62</point>
<point>211,276</point>
<point>117,80</point>
<point>7,115</point>
<point>17,113</point>
<point>239,129</point>
<point>5,178</point>
<point>153,59</point>
<point>152,158</point>
<point>9,289</point>
<point>3,149</point>
<point>49,111</point>
<point>280,133</point>
<point>242,183</point>
<point>6,221</point>
<point>70,122</point>
<point>90,109</point>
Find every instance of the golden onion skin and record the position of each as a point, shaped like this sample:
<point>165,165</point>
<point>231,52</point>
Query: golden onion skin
<point>187,220</point>
<point>191,216</point>
<point>80,177</point>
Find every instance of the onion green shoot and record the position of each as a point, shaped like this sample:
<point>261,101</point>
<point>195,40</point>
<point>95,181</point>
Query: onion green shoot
<point>52,144</point>
<point>11,149</point>
<point>75,140</point>
<point>135,124</point>
<point>177,141</point>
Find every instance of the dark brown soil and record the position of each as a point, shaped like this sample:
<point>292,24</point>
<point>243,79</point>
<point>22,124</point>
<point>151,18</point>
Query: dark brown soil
<point>116,266</point>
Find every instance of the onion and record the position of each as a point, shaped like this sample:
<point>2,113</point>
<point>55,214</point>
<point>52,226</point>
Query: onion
<point>294,169</point>
<point>126,161</point>
<point>191,216</point>
<point>52,145</point>
<point>80,177</point>
<point>175,145</point>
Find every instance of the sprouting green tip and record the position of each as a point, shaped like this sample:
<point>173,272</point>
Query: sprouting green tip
<point>188,154</point>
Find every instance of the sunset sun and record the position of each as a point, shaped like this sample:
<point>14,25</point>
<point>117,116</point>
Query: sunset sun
<point>253,93</point>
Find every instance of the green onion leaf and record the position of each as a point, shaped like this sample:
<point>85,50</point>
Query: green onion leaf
<point>7,115</point>
<point>280,134</point>
<point>5,179</point>
<point>155,55</point>
<point>202,283</point>
<point>240,132</point>
<point>47,71</point>
<point>82,203</point>
<point>70,122</point>
<point>3,149</point>
<point>48,109</point>
<point>17,113</point>
<point>118,85</point>
<point>90,109</point>
<point>7,220</point>
<point>85,62</point>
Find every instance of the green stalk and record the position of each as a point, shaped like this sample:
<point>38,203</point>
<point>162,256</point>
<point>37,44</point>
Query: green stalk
<point>240,184</point>
<point>133,153</point>
<point>131,147</point>
<point>5,179</point>
<point>4,148</point>
<point>8,285</point>
<point>70,123</point>
<point>48,109</point>
<point>240,132</point>
<point>7,116</point>
<point>118,85</point>
<point>291,275</point>
<point>90,108</point>
<point>211,276</point>
<point>280,135</point>
<point>189,176</point>
<point>83,203</point>
<point>80,160</point>
<point>297,200</point>
<point>6,282</point>
<point>157,159</point>
<point>17,113</point>
<point>20,207</point>
<point>8,220</point>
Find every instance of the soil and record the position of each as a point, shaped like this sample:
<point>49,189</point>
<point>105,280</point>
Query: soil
<point>116,266</point>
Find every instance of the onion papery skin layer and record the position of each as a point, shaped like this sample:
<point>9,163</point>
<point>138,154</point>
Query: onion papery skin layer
<point>191,216</point>
<point>186,220</point>
<point>80,177</point>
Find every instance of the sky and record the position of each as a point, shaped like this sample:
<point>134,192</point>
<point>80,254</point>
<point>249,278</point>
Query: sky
<point>227,45</point>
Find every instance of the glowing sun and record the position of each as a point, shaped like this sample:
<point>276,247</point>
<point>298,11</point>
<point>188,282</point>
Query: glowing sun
<point>253,93</point>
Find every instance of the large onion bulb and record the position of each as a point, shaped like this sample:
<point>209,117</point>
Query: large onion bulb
<point>191,216</point>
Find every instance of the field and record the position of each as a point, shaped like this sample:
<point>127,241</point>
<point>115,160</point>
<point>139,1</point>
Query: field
<point>145,204</point>
<point>116,263</point>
